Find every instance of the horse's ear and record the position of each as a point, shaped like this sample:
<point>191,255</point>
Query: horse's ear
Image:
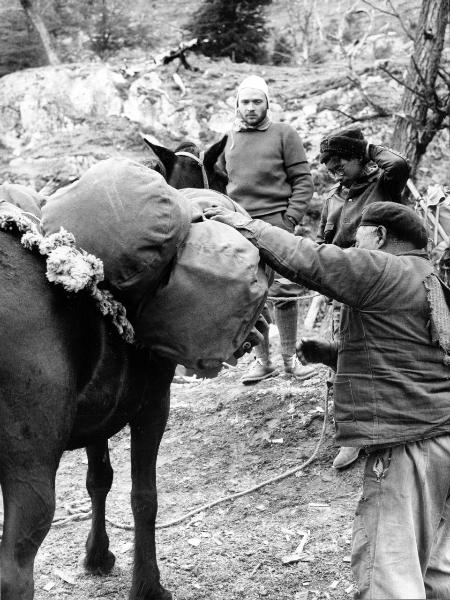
<point>213,153</point>
<point>166,156</point>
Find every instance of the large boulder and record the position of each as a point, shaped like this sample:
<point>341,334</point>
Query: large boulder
<point>57,121</point>
<point>36,104</point>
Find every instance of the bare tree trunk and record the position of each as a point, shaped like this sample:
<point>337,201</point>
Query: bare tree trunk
<point>422,113</point>
<point>32,12</point>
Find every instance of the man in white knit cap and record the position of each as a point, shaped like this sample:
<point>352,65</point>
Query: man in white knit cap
<point>269,176</point>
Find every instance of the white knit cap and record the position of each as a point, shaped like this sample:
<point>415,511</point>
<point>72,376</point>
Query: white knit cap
<point>253,82</point>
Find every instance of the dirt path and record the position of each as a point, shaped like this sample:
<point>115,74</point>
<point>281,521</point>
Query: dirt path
<point>222,438</point>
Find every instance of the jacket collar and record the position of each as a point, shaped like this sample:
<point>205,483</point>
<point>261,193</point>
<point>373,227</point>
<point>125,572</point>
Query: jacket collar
<point>420,253</point>
<point>363,182</point>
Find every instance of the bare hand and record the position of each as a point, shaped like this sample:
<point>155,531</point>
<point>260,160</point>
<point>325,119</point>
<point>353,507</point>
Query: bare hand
<point>317,350</point>
<point>229,217</point>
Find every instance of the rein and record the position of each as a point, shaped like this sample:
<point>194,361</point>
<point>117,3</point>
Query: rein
<point>200,161</point>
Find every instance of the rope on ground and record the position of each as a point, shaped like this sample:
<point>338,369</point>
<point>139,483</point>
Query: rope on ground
<point>231,497</point>
<point>85,515</point>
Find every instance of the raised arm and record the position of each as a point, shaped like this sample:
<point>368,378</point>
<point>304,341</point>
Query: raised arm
<point>348,276</point>
<point>395,170</point>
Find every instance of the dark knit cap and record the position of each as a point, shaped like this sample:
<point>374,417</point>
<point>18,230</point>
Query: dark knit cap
<point>348,143</point>
<point>399,219</point>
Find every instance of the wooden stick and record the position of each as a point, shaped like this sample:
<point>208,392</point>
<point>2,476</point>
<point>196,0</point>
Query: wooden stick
<point>313,311</point>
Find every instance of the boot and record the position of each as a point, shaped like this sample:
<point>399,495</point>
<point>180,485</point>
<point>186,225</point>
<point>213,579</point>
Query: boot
<point>262,367</point>
<point>346,456</point>
<point>259,371</point>
<point>294,367</point>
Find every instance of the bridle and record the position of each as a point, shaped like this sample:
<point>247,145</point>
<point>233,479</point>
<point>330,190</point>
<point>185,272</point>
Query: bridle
<point>200,161</point>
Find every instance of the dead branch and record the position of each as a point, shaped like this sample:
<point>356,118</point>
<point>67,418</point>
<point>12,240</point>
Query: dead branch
<point>377,107</point>
<point>445,76</point>
<point>400,20</point>
<point>381,10</point>
<point>402,83</point>
<point>80,516</point>
<point>180,52</point>
<point>353,77</point>
<point>370,117</point>
<point>255,569</point>
<point>394,13</point>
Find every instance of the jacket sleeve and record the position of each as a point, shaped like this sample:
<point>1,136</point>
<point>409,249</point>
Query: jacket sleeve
<point>348,276</point>
<point>320,235</point>
<point>298,175</point>
<point>395,169</point>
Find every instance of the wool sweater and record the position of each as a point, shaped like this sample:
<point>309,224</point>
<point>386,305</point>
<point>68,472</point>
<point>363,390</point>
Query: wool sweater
<point>268,171</point>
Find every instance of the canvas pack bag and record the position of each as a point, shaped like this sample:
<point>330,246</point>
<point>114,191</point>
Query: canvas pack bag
<point>25,198</point>
<point>128,216</point>
<point>212,297</point>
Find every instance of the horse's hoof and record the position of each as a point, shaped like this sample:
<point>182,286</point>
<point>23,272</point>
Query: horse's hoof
<point>100,565</point>
<point>161,594</point>
<point>166,595</point>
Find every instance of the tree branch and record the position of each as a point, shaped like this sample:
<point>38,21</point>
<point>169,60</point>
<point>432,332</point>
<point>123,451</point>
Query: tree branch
<point>386,12</point>
<point>445,76</point>
<point>402,83</point>
<point>400,20</point>
<point>357,119</point>
<point>380,110</point>
<point>394,13</point>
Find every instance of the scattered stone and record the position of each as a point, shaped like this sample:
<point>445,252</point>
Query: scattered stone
<point>194,542</point>
<point>65,576</point>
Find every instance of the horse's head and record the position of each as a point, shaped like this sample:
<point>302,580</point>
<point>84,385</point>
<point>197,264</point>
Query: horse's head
<point>188,167</point>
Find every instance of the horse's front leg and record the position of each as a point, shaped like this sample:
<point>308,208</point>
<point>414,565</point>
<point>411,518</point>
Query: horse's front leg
<point>29,505</point>
<point>146,433</point>
<point>99,479</point>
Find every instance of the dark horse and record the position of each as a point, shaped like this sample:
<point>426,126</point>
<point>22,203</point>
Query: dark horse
<point>67,380</point>
<point>187,167</point>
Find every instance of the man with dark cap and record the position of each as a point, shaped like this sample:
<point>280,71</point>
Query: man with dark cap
<point>365,173</point>
<point>392,388</point>
<point>268,175</point>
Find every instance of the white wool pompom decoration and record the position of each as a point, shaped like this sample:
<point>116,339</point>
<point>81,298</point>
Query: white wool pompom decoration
<point>72,268</point>
<point>30,239</point>
<point>69,268</point>
<point>55,240</point>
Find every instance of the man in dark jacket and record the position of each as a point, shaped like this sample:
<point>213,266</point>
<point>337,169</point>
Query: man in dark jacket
<point>365,173</point>
<point>392,389</point>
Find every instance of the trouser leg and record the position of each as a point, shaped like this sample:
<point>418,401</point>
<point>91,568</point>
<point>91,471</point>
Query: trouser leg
<point>346,455</point>
<point>397,520</point>
<point>262,350</point>
<point>437,574</point>
<point>286,321</point>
